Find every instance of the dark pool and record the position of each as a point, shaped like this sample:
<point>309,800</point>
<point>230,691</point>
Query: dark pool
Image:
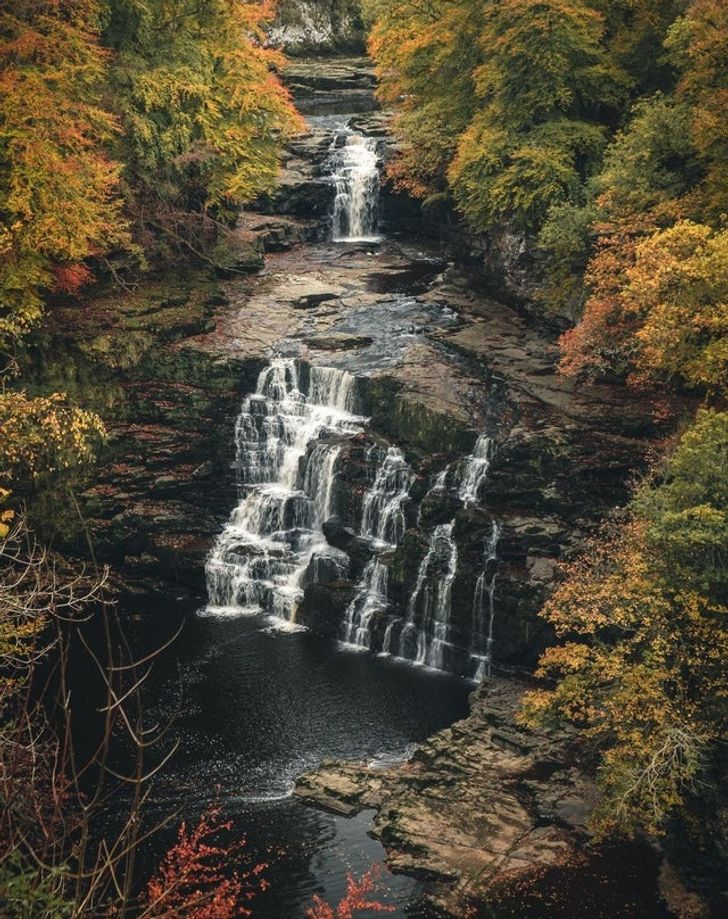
<point>254,708</point>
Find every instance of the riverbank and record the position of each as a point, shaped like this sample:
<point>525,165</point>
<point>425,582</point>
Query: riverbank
<point>487,809</point>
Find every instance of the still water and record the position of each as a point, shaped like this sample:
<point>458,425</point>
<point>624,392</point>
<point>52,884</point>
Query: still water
<point>254,707</point>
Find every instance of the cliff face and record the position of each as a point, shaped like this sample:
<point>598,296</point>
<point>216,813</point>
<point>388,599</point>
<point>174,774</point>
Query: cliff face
<point>318,26</point>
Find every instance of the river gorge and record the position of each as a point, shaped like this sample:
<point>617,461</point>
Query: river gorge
<point>349,464</point>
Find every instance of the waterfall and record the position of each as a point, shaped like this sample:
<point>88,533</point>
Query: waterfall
<point>355,171</point>
<point>383,524</point>
<point>476,470</point>
<point>426,632</point>
<point>371,599</point>
<point>484,608</point>
<point>286,455</point>
<point>383,509</point>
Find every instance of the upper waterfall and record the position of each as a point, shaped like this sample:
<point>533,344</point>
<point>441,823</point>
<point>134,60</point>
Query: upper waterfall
<point>355,171</point>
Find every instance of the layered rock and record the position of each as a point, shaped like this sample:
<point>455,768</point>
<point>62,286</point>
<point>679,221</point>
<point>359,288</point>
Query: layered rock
<point>496,817</point>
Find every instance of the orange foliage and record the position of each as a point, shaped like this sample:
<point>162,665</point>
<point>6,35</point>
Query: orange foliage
<point>192,880</point>
<point>69,279</point>
<point>703,33</point>
<point>357,899</point>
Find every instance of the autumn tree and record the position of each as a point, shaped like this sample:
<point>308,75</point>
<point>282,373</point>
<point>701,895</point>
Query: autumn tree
<point>359,898</point>
<point>658,199</point>
<point>698,42</point>
<point>58,187</point>
<point>545,87</point>
<point>203,113</point>
<point>426,55</point>
<point>197,877</point>
<point>641,667</point>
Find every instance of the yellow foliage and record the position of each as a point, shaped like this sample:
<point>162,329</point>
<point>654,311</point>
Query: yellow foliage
<point>679,283</point>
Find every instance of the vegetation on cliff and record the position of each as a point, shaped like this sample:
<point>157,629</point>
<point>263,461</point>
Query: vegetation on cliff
<point>596,128</point>
<point>599,131</point>
<point>126,126</point>
<point>130,132</point>
<point>642,619</point>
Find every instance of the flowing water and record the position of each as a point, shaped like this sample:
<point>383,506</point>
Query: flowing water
<point>255,707</point>
<point>425,636</point>
<point>355,172</point>
<point>484,609</point>
<point>475,470</point>
<point>286,454</point>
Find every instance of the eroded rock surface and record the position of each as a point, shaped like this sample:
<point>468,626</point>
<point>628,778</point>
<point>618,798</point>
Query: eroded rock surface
<point>481,799</point>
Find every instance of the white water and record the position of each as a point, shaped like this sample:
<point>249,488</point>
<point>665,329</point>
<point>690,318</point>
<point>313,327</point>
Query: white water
<point>371,599</point>
<point>355,171</point>
<point>383,524</point>
<point>476,470</point>
<point>286,459</point>
<point>383,508</point>
<point>484,609</point>
<point>426,632</point>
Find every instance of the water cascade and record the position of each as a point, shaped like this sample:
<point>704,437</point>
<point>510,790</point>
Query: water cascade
<point>288,441</point>
<point>383,509</point>
<point>481,649</point>
<point>371,599</point>
<point>383,524</point>
<point>475,470</point>
<point>355,171</point>
<point>425,636</point>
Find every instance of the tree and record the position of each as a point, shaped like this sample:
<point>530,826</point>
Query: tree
<point>195,878</point>
<point>699,44</point>
<point>426,55</point>
<point>644,624</point>
<point>356,899</point>
<point>203,114</point>
<point>59,199</point>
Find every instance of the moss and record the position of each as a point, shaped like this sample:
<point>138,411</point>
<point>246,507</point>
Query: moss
<point>407,421</point>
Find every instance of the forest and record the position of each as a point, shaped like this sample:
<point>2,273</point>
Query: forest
<point>591,135</point>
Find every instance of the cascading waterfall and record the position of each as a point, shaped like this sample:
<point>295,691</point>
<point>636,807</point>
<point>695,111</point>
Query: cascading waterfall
<point>355,171</point>
<point>476,470</point>
<point>371,599</point>
<point>383,524</point>
<point>287,449</point>
<point>481,649</point>
<point>383,509</point>
<point>426,632</point>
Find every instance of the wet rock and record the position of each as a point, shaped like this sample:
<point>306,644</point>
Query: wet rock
<point>358,550</point>
<point>311,301</point>
<point>323,607</point>
<point>481,798</point>
<point>340,342</point>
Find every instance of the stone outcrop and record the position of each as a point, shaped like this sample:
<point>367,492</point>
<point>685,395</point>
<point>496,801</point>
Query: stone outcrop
<point>474,804</point>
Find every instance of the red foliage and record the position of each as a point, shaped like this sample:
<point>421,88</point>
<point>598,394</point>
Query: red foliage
<point>356,899</point>
<point>192,880</point>
<point>69,279</point>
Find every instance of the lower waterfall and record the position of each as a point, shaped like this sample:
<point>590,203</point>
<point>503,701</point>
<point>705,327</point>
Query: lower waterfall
<point>425,636</point>
<point>383,525</point>
<point>484,608</point>
<point>371,598</point>
<point>290,437</point>
<point>287,445</point>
